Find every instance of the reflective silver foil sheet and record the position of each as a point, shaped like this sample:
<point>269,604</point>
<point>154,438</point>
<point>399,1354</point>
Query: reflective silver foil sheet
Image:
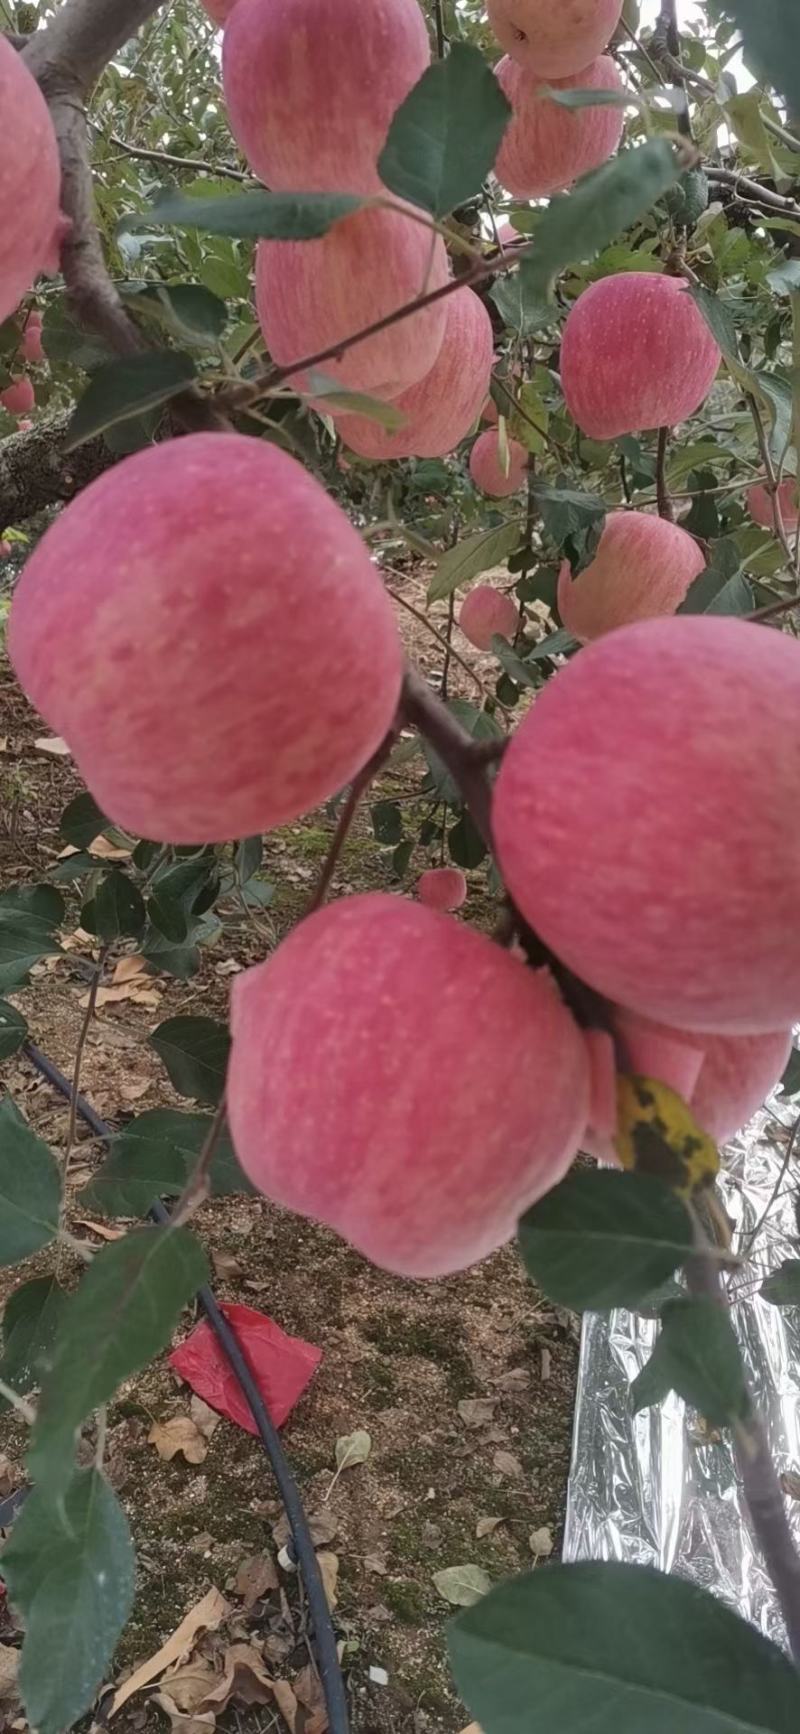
<point>653,1489</point>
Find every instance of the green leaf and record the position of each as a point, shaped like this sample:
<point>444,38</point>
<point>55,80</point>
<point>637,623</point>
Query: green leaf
<point>31,1319</point>
<point>474,555</point>
<point>462,1585</point>
<point>579,224</point>
<point>790,1082</point>
<point>589,98</point>
<point>65,342</point>
<point>654,1382</point>
<point>401,857</point>
<point>69,1570</point>
<point>604,1239</point>
<point>782,1286</point>
<point>522,311</point>
<point>39,901</point>
<point>560,643</point>
<point>719,319</point>
<point>387,822</point>
<point>30,1188</point>
<point>248,857</point>
<point>567,512</point>
<point>189,310</point>
<point>167,915</point>
<point>771,46</point>
<point>117,909</point>
<point>279,216</point>
<point>465,844</point>
<point>724,565</point>
<point>25,937</point>
<point>73,867</point>
<point>127,388</point>
<point>775,394</point>
<point>514,666</point>
<point>153,1158</point>
<point>195,1054</point>
<point>697,1355</point>
<point>123,1313</point>
<point>444,138</point>
<point>354,402</point>
<point>735,597</point>
<point>13,1030</point>
<point>480,725</point>
<point>82,821</point>
<point>618,1649</point>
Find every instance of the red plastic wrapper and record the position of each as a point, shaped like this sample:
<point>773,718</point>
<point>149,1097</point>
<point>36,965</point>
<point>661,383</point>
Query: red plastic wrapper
<point>283,1366</point>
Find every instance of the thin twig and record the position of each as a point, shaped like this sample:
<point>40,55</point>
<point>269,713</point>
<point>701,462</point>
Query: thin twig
<point>198,1185</point>
<point>775,608</point>
<point>91,1002</point>
<point>665,506</point>
<point>455,747</point>
<point>440,638</point>
<point>753,190</point>
<point>772,483</point>
<point>441,40</point>
<point>101,1435</point>
<point>357,788</point>
<point>218,170</point>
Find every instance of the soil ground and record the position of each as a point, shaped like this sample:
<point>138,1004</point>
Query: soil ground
<point>398,1357</point>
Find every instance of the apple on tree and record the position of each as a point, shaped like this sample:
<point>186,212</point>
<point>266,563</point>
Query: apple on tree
<point>643,566</point>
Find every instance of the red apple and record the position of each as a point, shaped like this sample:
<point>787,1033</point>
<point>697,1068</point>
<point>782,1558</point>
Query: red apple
<point>31,348</point>
<point>442,408</point>
<point>442,888</point>
<point>310,294</point>
<point>643,567</point>
<point>484,612</point>
<point>635,353</point>
<point>31,225</point>
<point>219,10</point>
<point>311,87</point>
<point>546,147</point>
<point>487,469</point>
<point>208,632</point>
<point>398,1076</point>
<point>554,41</point>
<point>19,396</point>
<point>759,505</point>
<point>645,821</point>
<point>723,1079</point>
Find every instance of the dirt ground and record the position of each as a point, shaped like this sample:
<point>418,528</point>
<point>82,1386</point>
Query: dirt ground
<point>403,1361</point>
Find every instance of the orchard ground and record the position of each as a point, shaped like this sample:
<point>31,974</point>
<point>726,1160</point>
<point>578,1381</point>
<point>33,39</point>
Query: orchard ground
<point>399,1357</point>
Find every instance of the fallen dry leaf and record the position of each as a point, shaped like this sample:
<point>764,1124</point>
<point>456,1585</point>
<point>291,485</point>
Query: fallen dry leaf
<point>189,1686</point>
<point>540,1542</point>
<point>286,1702</point>
<point>308,1691</point>
<point>472,1729</point>
<point>180,1433</point>
<point>103,1229</point>
<point>476,1411</point>
<point>128,968</point>
<point>374,1563</point>
<point>226,1265</point>
<point>516,1379</point>
<point>244,1679</point>
<point>206,1616</point>
<point>506,1463</point>
<point>204,1417</point>
<point>329,1569</point>
<point>135,991</point>
<point>351,1449</point>
<point>323,1525</point>
<point>255,1578</point>
<point>53,745</point>
<point>547,1362</point>
<point>134,1089</point>
<point>790,1483</point>
<point>462,1585</point>
<point>9,1666</point>
<point>195,1723</point>
<point>10,1475</point>
<point>487,1526</point>
<point>107,850</point>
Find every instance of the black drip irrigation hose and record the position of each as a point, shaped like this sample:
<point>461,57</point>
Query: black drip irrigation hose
<point>324,1636</point>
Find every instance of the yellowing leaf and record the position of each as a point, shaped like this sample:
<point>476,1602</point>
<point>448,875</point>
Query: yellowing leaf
<point>352,1448</point>
<point>329,1570</point>
<point>657,1134</point>
<point>462,1585</point>
<point>180,1434</point>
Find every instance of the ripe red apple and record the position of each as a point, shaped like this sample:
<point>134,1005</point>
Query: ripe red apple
<point>635,354</point>
<point>19,396</point>
<point>219,10</point>
<point>645,821</point>
<point>724,1079</point>
<point>311,87</point>
<point>400,1077</point>
<point>486,468</point>
<point>546,147</point>
<point>442,888</point>
<point>31,225</point>
<point>554,41</point>
<point>208,632</point>
<point>759,505</point>
<point>442,408</point>
<point>484,612</point>
<point>643,567</point>
<point>310,294</point>
<point>31,348</point>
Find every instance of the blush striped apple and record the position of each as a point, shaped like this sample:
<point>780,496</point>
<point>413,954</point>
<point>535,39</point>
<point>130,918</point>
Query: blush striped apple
<point>643,566</point>
<point>488,471</point>
<point>635,354</point>
<point>444,405</point>
<point>546,147</point>
<point>554,40</point>
<point>397,1075</point>
<point>31,225</point>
